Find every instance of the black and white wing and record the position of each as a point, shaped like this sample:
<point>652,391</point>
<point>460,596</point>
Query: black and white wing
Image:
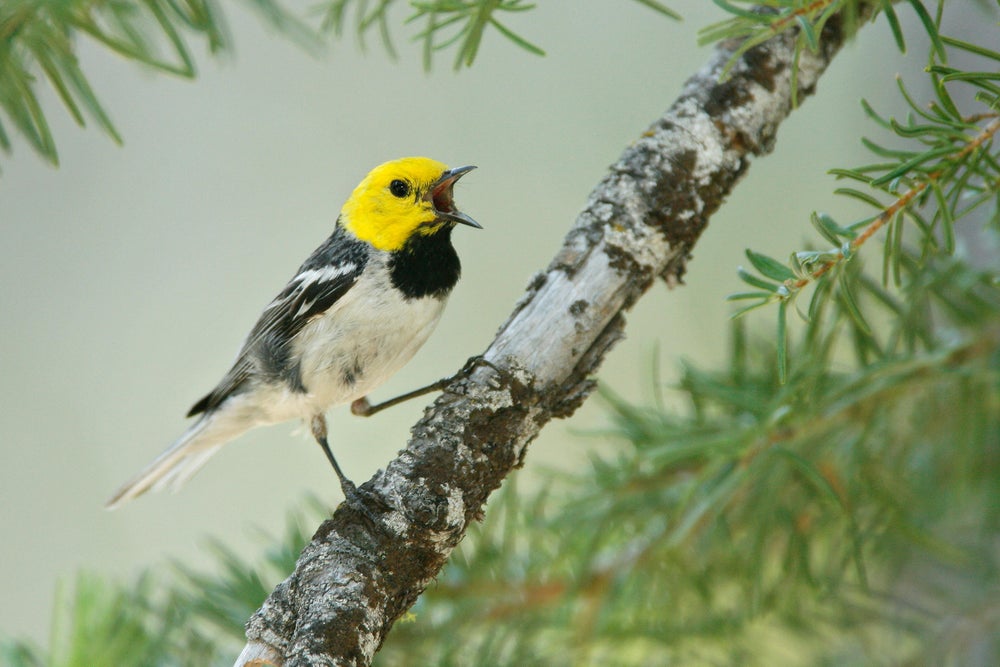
<point>320,282</point>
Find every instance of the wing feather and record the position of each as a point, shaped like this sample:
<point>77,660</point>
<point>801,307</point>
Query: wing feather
<point>329,273</point>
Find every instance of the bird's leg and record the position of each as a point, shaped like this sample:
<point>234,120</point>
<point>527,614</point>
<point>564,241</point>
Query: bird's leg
<point>362,408</point>
<point>319,432</point>
<point>351,493</point>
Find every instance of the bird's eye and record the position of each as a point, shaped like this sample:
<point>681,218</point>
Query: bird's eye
<point>399,188</point>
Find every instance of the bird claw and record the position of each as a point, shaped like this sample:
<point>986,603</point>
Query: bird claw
<point>478,360</point>
<point>359,500</point>
<point>469,368</point>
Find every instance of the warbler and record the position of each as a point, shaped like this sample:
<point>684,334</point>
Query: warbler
<point>355,312</point>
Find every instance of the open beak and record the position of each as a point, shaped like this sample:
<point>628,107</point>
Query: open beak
<point>442,199</point>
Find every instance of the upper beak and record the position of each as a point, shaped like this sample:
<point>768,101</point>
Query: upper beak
<point>441,198</point>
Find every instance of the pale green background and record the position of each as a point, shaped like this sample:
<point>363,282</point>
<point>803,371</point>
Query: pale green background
<point>130,275</point>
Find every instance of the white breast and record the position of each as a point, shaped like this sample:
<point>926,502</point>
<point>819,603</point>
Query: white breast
<point>368,335</point>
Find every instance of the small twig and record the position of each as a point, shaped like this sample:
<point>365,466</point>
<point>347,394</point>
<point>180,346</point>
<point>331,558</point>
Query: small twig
<point>783,22</point>
<point>898,205</point>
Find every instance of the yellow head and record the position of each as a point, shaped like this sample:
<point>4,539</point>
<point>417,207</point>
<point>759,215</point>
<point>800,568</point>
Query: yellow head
<point>412,195</point>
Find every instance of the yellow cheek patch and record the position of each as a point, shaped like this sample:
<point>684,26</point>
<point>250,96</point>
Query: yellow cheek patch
<point>393,236</point>
<point>384,227</point>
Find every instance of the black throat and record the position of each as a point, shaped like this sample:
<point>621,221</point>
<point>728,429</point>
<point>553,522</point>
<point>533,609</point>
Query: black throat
<point>425,266</point>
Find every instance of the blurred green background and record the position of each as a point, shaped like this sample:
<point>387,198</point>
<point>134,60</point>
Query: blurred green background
<point>131,274</point>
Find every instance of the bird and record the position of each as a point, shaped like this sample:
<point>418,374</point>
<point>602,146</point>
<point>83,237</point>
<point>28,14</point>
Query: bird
<point>354,313</point>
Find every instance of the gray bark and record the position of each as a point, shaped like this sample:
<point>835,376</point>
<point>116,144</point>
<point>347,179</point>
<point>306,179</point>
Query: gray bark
<point>362,572</point>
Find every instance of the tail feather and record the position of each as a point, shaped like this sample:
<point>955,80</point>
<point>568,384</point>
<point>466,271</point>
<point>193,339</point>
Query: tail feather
<point>185,469</point>
<point>176,465</point>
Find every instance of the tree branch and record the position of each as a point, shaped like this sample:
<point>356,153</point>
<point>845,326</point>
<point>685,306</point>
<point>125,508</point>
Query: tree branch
<point>362,571</point>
